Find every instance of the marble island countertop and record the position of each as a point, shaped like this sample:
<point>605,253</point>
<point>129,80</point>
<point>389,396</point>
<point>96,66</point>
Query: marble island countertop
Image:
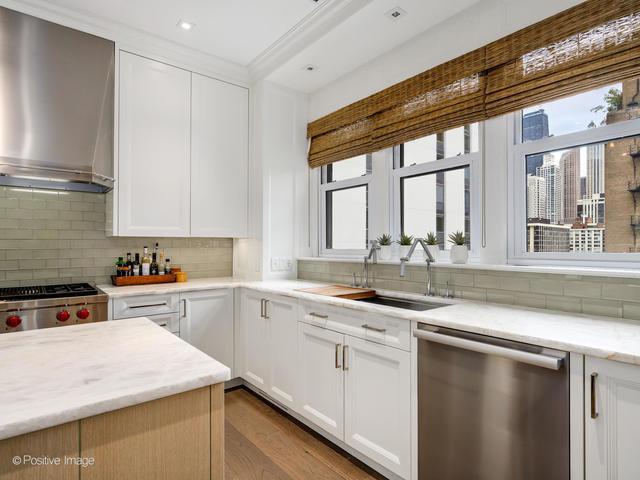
<point>602,337</point>
<point>57,375</point>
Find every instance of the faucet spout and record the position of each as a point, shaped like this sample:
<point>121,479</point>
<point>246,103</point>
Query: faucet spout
<point>430,260</point>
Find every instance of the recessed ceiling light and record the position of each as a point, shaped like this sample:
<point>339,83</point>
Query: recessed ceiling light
<point>183,24</point>
<point>310,68</point>
<point>396,13</point>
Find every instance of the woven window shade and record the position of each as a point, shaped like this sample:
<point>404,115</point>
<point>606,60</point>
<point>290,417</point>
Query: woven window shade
<point>447,96</point>
<point>592,44</point>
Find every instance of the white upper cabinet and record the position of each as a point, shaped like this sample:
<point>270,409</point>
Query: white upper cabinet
<point>219,158</point>
<point>612,430</point>
<point>154,148</point>
<point>183,153</point>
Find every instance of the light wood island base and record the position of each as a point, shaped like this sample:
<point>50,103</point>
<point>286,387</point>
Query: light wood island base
<point>181,436</point>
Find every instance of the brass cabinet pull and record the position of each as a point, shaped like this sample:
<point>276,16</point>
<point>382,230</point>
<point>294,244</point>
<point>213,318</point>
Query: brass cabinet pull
<point>594,407</point>
<point>345,357</point>
<point>149,305</point>
<point>337,359</point>
<point>262,308</point>
<point>266,310</point>
<point>318,315</point>
<point>375,329</point>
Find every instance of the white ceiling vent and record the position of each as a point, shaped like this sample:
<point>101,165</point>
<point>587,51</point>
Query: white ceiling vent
<point>396,13</point>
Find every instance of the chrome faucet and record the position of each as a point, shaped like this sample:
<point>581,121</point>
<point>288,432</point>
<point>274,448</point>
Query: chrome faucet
<point>373,256</point>
<point>430,260</point>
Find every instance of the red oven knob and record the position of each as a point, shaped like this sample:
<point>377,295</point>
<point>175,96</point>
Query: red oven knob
<point>13,321</point>
<point>63,315</point>
<point>83,314</point>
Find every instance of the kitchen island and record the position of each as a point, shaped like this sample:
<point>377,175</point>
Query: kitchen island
<point>109,400</point>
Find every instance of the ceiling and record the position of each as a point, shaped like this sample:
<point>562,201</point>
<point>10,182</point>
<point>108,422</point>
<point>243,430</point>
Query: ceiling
<point>234,30</point>
<point>360,38</point>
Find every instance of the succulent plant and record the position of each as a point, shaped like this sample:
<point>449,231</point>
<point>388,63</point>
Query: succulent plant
<point>406,239</point>
<point>384,240</point>
<point>431,239</point>
<point>458,238</point>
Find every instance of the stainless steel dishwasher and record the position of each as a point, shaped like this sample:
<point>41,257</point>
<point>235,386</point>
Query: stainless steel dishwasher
<point>490,409</point>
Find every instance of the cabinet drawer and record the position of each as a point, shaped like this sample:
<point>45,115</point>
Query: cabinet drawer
<point>145,305</point>
<point>170,321</point>
<point>394,332</point>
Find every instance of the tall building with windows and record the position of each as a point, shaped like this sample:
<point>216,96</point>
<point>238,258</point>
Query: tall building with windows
<point>536,197</point>
<point>586,236</point>
<point>550,172</point>
<point>535,125</point>
<point>592,207</point>
<point>622,229</point>
<point>595,168</point>
<point>570,168</point>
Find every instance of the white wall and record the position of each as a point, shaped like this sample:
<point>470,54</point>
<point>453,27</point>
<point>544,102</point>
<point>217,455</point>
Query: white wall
<point>484,22</point>
<point>279,210</point>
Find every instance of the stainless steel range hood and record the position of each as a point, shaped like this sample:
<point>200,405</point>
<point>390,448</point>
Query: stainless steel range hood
<point>56,106</point>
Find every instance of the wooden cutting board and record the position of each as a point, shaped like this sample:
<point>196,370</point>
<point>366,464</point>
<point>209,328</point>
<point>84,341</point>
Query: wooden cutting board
<point>340,291</point>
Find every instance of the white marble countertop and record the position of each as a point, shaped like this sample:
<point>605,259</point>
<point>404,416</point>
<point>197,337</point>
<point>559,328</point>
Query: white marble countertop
<point>603,337</point>
<point>57,375</point>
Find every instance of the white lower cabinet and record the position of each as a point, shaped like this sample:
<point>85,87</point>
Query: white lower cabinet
<point>358,391</point>
<point>268,344</point>
<point>206,322</point>
<point>377,412</point>
<point>612,430</point>
<point>321,378</point>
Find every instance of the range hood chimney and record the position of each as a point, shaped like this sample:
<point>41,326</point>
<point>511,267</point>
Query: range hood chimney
<point>56,106</point>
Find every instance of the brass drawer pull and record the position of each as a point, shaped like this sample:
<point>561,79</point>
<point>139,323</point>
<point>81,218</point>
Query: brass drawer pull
<point>375,329</point>
<point>318,315</point>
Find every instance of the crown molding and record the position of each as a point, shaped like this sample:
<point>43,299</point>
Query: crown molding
<point>135,41</point>
<point>319,22</point>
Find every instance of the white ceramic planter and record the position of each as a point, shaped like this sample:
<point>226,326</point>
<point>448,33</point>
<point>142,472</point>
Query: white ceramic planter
<point>404,250</point>
<point>434,250</point>
<point>459,254</point>
<point>385,252</point>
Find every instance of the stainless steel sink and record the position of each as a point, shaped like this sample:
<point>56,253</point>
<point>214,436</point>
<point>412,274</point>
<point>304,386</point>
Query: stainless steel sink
<point>401,303</point>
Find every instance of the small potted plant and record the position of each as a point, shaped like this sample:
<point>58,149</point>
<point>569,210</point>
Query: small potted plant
<point>432,244</point>
<point>459,252</point>
<point>384,241</point>
<point>405,244</point>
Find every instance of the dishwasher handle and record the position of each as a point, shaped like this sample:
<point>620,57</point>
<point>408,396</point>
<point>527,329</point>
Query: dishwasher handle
<point>537,359</point>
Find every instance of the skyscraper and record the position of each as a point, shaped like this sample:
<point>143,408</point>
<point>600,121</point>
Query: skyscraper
<point>535,125</point>
<point>595,168</point>
<point>536,197</point>
<point>550,172</point>
<point>570,168</point>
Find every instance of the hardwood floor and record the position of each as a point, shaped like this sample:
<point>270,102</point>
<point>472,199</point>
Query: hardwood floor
<point>262,443</point>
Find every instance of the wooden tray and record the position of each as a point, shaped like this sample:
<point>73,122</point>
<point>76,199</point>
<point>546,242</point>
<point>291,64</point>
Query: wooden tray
<point>142,279</point>
<point>340,291</point>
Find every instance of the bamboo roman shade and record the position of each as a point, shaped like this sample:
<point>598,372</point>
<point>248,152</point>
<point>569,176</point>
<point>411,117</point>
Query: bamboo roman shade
<point>592,44</point>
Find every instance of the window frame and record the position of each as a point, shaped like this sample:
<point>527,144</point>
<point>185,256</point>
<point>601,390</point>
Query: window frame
<point>517,193</point>
<point>324,188</point>
<point>473,160</point>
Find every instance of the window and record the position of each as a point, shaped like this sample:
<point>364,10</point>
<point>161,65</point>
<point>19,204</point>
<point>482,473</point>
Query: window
<point>578,165</point>
<point>345,198</point>
<point>432,179</point>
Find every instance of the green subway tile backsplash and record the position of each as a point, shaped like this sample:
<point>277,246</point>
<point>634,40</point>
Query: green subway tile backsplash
<point>57,237</point>
<point>593,295</point>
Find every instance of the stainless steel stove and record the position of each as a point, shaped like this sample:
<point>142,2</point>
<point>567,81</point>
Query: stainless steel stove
<point>45,306</point>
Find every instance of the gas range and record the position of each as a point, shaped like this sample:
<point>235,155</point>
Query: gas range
<point>45,306</point>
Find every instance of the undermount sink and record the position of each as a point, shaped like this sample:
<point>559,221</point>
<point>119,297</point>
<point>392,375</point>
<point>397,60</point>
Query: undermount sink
<point>401,303</point>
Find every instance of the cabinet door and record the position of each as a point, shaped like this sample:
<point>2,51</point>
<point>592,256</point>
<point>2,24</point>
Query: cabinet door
<point>254,333</point>
<point>321,378</point>
<point>219,160</point>
<point>206,322</point>
<point>377,403</point>
<point>154,148</point>
<point>283,345</point>
<point>613,436</point>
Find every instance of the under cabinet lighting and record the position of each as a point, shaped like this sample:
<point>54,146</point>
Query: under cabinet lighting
<point>183,24</point>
